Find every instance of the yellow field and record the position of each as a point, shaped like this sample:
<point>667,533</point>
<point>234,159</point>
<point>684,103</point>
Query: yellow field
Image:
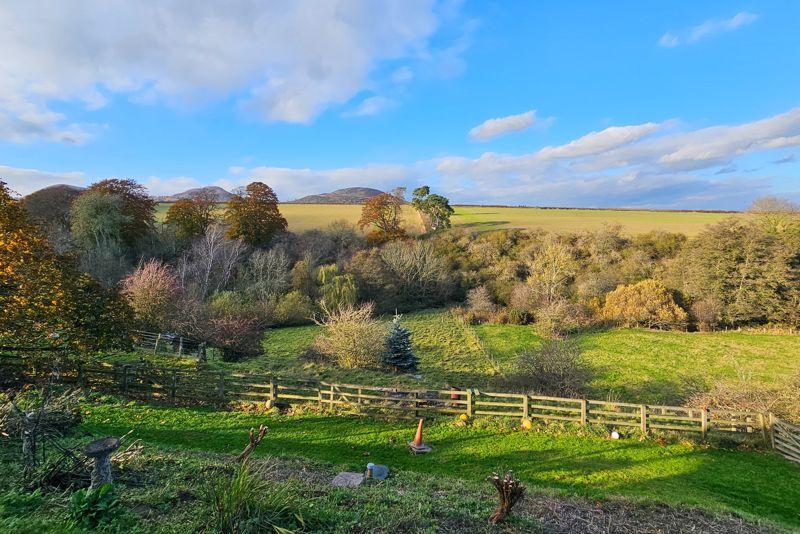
<point>308,216</point>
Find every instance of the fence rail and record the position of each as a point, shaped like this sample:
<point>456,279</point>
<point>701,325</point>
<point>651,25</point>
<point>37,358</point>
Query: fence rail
<point>168,343</point>
<point>175,385</point>
<point>785,438</point>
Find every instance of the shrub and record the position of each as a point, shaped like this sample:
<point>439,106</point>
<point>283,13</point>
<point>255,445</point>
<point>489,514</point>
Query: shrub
<point>352,337</point>
<point>523,298</point>
<point>647,303</point>
<point>294,308</point>
<point>232,325</point>
<point>90,508</point>
<point>707,312</point>
<point>267,274</point>
<point>479,301</point>
<point>152,292</point>
<point>552,368</point>
<point>242,502</point>
<point>745,394</point>
<point>560,317</point>
<point>518,317</point>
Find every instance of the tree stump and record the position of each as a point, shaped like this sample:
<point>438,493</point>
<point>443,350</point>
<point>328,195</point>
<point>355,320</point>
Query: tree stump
<point>510,491</point>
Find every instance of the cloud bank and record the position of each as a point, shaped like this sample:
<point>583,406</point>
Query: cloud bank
<point>282,61</point>
<point>654,165</point>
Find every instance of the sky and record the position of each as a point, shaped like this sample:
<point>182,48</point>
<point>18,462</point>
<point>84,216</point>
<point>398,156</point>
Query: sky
<point>658,104</point>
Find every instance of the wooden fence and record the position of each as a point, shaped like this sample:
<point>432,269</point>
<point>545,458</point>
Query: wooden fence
<point>785,438</point>
<point>174,385</point>
<point>168,343</point>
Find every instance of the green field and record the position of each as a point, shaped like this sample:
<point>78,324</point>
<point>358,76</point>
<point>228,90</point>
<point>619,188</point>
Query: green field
<point>309,216</point>
<point>750,483</point>
<point>627,364</point>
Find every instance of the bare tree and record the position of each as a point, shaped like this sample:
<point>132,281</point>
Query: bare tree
<point>775,214</point>
<point>267,274</point>
<point>211,263</point>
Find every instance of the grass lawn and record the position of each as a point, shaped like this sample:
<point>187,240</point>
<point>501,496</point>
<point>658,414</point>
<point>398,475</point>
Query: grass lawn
<point>751,483</point>
<point>309,216</point>
<point>628,364</point>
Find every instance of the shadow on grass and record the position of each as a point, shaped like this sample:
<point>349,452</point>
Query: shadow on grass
<point>751,483</point>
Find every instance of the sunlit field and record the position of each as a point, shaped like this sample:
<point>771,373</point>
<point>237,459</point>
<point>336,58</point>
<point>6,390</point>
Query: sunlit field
<point>482,218</point>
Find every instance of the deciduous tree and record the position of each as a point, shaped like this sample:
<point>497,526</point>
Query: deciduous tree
<point>384,213</point>
<point>192,216</point>
<point>254,215</point>
<point>137,207</point>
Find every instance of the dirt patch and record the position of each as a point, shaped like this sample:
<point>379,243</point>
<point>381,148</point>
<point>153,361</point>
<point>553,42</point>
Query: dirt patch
<point>564,515</point>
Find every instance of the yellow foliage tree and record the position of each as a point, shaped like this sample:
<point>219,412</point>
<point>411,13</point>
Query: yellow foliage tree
<point>647,303</point>
<point>44,300</point>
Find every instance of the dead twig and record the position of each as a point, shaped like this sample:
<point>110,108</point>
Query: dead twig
<point>255,439</point>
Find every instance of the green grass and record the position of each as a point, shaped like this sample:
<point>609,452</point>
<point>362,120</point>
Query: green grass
<point>628,364</point>
<point>662,367</point>
<point>750,483</point>
<point>310,216</point>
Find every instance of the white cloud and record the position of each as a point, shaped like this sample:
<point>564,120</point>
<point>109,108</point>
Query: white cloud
<point>707,29</point>
<point>284,61</point>
<point>663,165</point>
<point>371,106</point>
<point>25,181</point>
<point>492,128</point>
<point>290,184</point>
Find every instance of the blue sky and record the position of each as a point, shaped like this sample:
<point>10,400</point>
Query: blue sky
<point>655,104</point>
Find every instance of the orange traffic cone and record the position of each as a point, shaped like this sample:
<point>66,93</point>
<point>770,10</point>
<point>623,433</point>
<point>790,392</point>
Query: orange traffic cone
<point>416,446</point>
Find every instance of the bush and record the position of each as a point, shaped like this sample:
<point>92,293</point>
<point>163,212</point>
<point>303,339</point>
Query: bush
<point>152,292</point>
<point>90,508</point>
<point>707,312</point>
<point>232,325</point>
<point>243,502</point>
<point>518,317</point>
<point>351,337</point>
<point>480,303</point>
<point>553,368</point>
<point>560,317</point>
<point>745,394</point>
<point>294,308</point>
<point>647,303</point>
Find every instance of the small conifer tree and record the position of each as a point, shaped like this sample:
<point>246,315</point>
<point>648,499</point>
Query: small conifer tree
<point>399,353</point>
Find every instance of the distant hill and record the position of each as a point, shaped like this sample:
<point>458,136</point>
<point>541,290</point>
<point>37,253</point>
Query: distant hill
<point>221,194</point>
<point>348,195</point>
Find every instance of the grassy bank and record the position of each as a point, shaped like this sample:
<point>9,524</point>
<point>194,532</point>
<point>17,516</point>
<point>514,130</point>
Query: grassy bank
<point>627,364</point>
<point>755,484</point>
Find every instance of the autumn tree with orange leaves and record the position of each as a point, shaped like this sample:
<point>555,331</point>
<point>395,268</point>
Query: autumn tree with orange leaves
<point>44,299</point>
<point>192,216</point>
<point>383,212</point>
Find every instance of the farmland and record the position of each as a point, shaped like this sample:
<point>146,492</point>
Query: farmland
<point>634,365</point>
<point>303,217</point>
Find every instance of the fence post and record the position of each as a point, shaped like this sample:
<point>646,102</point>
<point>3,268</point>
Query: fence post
<point>273,391</point>
<point>469,402</point>
<point>584,412</point>
<point>762,421</point>
<point>222,386</point>
<point>772,428</point>
<point>155,348</point>
<point>174,386</point>
<point>81,376</point>
<point>525,407</point>
<point>704,423</point>
<point>180,346</point>
<point>643,411</point>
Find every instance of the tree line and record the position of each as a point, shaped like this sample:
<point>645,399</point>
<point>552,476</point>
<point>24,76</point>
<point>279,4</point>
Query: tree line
<point>83,268</point>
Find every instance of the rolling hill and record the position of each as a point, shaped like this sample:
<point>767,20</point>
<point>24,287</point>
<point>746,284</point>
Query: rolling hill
<point>221,194</point>
<point>348,195</point>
